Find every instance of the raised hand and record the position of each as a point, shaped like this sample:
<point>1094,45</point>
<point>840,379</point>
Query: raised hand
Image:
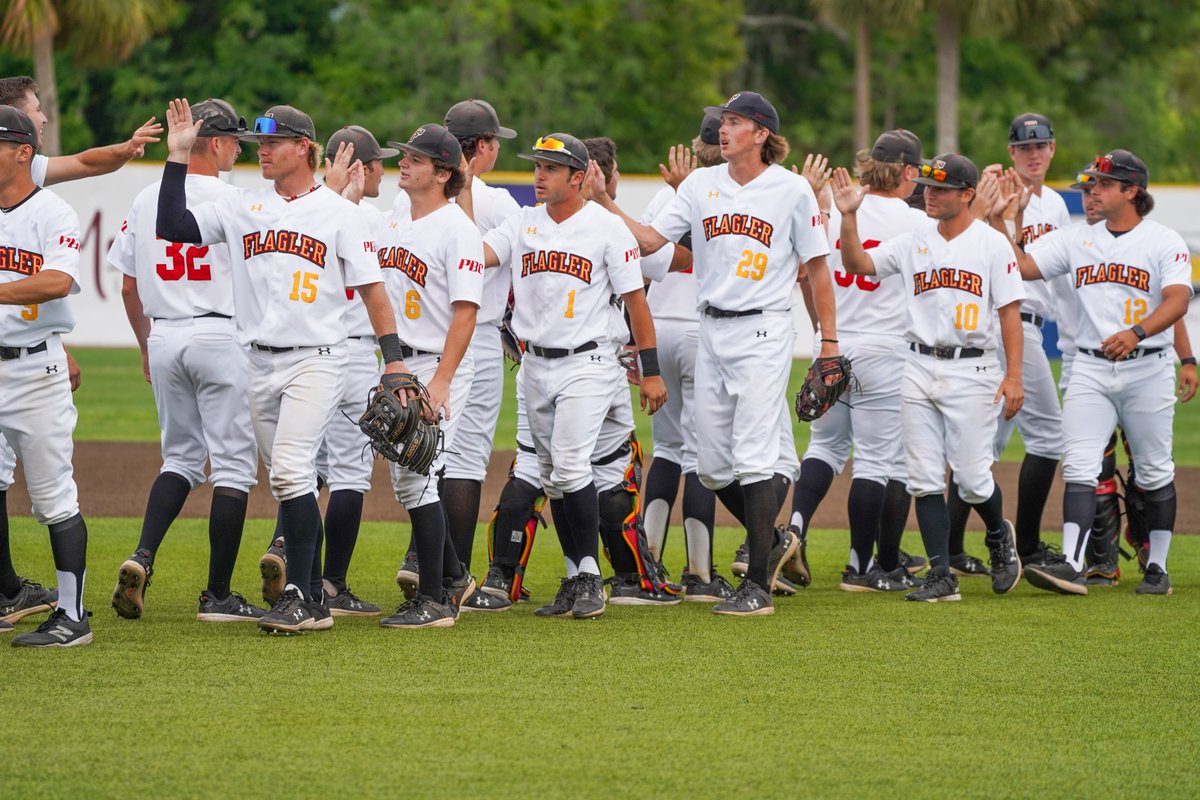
<point>357,182</point>
<point>594,185</point>
<point>337,171</point>
<point>181,130</point>
<point>846,195</point>
<point>681,162</point>
<point>816,171</point>
<point>148,133</point>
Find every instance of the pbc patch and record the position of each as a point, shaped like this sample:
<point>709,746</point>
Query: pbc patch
<point>369,246</point>
<point>470,265</point>
<point>69,241</point>
<point>632,255</point>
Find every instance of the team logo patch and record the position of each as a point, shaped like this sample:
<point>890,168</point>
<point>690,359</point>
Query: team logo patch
<point>939,164</point>
<point>735,97</point>
<point>632,255</point>
<point>470,266</point>
<point>419,132</point>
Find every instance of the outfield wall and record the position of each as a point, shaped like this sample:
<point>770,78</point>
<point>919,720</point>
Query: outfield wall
<point>102,202</point>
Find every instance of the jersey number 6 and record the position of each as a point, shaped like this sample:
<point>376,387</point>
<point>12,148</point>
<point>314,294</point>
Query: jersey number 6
<point>184,263</point>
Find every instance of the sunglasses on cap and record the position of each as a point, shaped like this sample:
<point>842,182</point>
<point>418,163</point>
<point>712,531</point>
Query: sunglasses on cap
<point>549,143</point>
<point>270,125</point>
<point>1103,164</point>
<point>1033,132</point>
<point>224,125</point>
<point>1083,179</point>
<point>927,171</point>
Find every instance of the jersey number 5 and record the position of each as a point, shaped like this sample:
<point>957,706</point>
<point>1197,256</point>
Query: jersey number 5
<point>183,263</point>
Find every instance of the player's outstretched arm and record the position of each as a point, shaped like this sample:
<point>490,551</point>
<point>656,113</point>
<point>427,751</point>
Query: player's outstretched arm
<point>1011,389</point>
<point>174,222</point>
<point>648,239</point>
<point>1174,305</point>
<point>681,161</point>
<point>653,390</point>
<point>823,303</point>
<point>103,160</point>
<point>42,287</point>
<point>458,339</point>
<point>848,198</point>
<point>1188,378</point>
<point>137,319</point>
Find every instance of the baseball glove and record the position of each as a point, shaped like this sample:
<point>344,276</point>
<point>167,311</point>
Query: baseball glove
<point>401,433</point>
<point>828,379</point>
<point>509,342</point>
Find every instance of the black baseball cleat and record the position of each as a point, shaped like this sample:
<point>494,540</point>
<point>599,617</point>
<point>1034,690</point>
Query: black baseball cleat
<point>967,566</point>
<point>784,547</point>
<point>6,627</point>
<point>696,591</point>
<point>741,561</point>
<point>408,577</point>
<point>484,601</point>
<point>748,600</point>
<point>1055,574</point>
<point>233,608</point>
<point>903,578</point>
<point>784,588</point>
<point>420,612</point>
<point>31,598</point>
<point>1103,574</point>
<point>459,591</point>
<point>57,631</point>
<point>342,602</point>
<point>1036,556</point>
<point>795,569</point>
<point>129,598</point>
<point>625,591</point>
<point>937,589</point>
<point>496,584</point>
<point>913,564</point>
<point>293,614</point>
<point>1155,582</point>
<point>589,596</point>
<point>873,580</point>
<point>563,601</point>
<point>1002,554</point>
<point>273,568</point>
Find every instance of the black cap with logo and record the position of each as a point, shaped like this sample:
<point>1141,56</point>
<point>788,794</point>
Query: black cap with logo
<point>219,118</point>
<point>435,141</point>
<point>751,105</point>
<point>710,129</point>
<point>475,118</point>
<point>366,146</point>
<point>1120,165</point>
<point>16,126</point>
<point>949,169</point>
<point>560,148</point>
<point>1030,128</point>
<point>897,147</point>
<point>282,122</point>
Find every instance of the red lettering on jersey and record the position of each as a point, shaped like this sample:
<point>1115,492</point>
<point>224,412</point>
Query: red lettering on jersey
<point>349,294</point>
<point>286,242</point>
<point>124,225</point>
<point>557,261</point>
<point>633,255</point>
<point>869,244</point>
<point>1031,233</point>
<point>21,262</point>
<point>738,225</point>
<point>864,282</point>
<point>470,265</point>
<point>369,246</point>
<point>948,278</point>
<point>69,241</point>
<point>1113,273</point>
<point>405,261</point>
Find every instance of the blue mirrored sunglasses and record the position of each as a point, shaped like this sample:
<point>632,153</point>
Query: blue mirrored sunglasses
<point>1034,133</point>
<point>270,125</point>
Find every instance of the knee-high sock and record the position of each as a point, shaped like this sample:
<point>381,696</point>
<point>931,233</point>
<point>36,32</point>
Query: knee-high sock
<point>733,498</point>
<point>699,514</point>
<point>1079,510</point>
<point>343,519</point>
<point>10,582</point>
<point>662,486</point>
<point>583,510</point>
<point>1033,490</point>
<point>226,519</point>
<point>958,511</point>
<point>68,542</point>
<point>1160,521</point>
<point>896,503</point>
<point>865,507</point>
<point>780,485</point>
<point>301,541</point>
<point>562,528</point>
<point>429,538</point>
<point>811,487</point>
<point>991,511</point>
<point>461,500</point>
<point>166,500</point>
<point>935,531</point>
<point>761,511</point>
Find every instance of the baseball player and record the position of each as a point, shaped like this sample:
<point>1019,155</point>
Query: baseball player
<point>179,301</point>
<point>753,224</point>
<point>1031,146</point>
<point>301,247</point>
<point>432,260</point>
<point>1133,280</point>
<point>569,260</point>
<point>871,314</point>
<point>957,273</point>
<point>39,242</point>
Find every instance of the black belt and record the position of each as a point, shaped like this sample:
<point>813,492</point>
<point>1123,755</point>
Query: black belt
<point>1035,319</point>
<point>409,352</point>
<point>720,313</point>
<point>1137,352</point>
<point>9,353</point>
<point>209,315</point>
<point>560,352</point>
<point>266,348</point>
<point>945,353</point>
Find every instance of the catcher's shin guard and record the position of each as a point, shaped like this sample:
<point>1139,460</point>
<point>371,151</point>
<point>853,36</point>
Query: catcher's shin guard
<point>512,529</point>
<point>1100,556</point>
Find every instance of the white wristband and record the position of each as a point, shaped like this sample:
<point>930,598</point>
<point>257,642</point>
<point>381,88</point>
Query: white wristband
<point>1011,227</point>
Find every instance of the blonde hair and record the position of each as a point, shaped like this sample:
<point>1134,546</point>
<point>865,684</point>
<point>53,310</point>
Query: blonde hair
<point>315,150</point>
<point>708,154</point>
<point>881,176</point>
<point>775,149</point>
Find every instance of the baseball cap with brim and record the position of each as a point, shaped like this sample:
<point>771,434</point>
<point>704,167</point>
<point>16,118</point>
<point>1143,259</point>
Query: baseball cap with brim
<point>434,141</point>
<point>710,129</point>
<point>475,118</point>
<point>1030,128</point>
<point>1120,165</point>
<point>16,126</point>
<point>559,148</point>
<point>1082,178</point>
<point>751,105</point>
<point>949,169</point>
<point>897,147</point>
<point>366,146</point>
<point>282,122</point>
<point>219,118</point>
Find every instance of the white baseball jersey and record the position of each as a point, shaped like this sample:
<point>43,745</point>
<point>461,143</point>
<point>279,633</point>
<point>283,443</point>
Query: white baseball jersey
<point>38,168</point>
<point>357,322</point>
<point>565,275</point>
<point>748,241</point>
<point>492,206</point>
<point>292,261</point>
<point>1045,213</point>
<point>174,280</point>
<point>1118,279</point>
<point>869,304</point>
<point>952,286</point>
<point>428,264</point>
<point>674,296</point>
<point>42,232</point>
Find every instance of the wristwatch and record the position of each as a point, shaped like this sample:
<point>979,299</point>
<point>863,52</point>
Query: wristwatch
<point>1139,332</point>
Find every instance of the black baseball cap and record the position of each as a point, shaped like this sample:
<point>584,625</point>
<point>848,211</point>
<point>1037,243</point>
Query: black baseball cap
<point>751,105</point>
<point>282,122</point>
<point>560,148</point>
<point>1030,128</point>
<point>16,126</point>
<point>435,141</point>
<point>1082,179</point>
<point>1120,165</point>
<point>949,169</point>
<point>897,147</point>
<point>366,146</point>
<point>475,117</point>
<point>710,129</point>
<point>219,118</point>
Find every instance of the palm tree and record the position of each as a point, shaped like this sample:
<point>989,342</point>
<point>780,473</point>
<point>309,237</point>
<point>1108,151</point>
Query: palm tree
<point>96,32</point>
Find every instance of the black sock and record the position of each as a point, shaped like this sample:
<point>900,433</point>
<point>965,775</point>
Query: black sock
<point>734,500</point>
<point>68,543</point>
<point>583,510</point>
<point>991,511</point>
<point>896,503</point>
<point>662,483</point>
<point>301,520</point>
<point>10,582</point>
<point>166,500</point>
<point>316,589</point>
<point>343,518</point>
<point>865,507</point>
<point>700,504</point>
<point>278,525</point>
<point>1033,489</point>
<point>935,531</point>
<point>562,528</point>
<point>461,500</point>
<point>958,511</point>
<point>226,519</point>
<point>452,565</point>
<point>429,537</point>
<point>780,485</point>
<point>811,487</point>
<point>761,511</point>
<point>1079,507</point>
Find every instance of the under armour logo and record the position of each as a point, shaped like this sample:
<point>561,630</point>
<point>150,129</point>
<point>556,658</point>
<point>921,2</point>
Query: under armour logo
<point>256,207</point>
<point>531,231</point>
<point>924,251</point>
<point>753,603</point>
<point>760,334</point>
<point>297,614</point>
<point>714,194</point>
<point>597,358</point>
<point>52,369</point>
<point>324,351</point>
<point>61,633</point>
<point>981,369</point>
<point>1086,243</point>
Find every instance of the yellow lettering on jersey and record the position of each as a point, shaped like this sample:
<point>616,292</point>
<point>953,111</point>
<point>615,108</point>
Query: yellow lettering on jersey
<point>948,278</point>
<point>405,261</point>
<point>287,242</point>
<point>1113,273</point>
<point>20,261</point>
<point>738,225</point>
<point>557,261</point>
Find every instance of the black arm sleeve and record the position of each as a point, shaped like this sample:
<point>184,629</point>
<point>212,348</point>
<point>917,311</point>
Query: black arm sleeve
<point>175,223</point>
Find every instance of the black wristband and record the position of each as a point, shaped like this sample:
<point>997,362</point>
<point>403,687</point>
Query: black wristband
<point>649,358</point>
<point>1189,361</point>
<point>1139,332</point>
<point>832,341</point>
<point>389,345</point>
